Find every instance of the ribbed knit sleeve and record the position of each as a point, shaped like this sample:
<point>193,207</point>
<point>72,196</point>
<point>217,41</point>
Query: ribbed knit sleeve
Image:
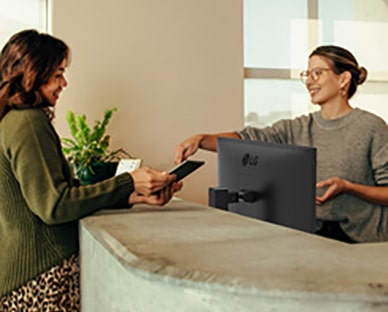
<point>380,164</point>
<point>379,152</point>
<point>33,149</point>
<point>288,131</point>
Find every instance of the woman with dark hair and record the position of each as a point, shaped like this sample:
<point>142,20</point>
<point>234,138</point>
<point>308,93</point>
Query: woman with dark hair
<point>352,149</point>
<point>40,201</point>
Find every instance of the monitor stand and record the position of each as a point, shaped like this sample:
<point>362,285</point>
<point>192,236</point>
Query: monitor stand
<point>220,197</point>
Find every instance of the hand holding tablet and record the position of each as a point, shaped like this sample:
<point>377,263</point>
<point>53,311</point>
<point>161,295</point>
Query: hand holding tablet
<point>185,168</point>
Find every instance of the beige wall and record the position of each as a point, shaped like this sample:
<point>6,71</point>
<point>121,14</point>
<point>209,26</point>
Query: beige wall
<point>173,68</point>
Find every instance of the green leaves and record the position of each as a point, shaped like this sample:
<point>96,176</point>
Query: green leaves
<point>89,146</point>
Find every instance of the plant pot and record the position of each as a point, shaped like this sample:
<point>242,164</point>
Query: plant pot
<point>97,173</point>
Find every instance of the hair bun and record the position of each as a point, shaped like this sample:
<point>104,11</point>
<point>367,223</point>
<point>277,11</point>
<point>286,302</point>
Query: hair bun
<point>363,75</point>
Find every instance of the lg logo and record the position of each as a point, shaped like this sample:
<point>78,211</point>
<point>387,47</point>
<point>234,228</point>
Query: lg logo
<point>250,160</point>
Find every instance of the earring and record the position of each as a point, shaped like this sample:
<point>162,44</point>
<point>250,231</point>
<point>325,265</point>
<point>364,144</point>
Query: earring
<point>342,91</point>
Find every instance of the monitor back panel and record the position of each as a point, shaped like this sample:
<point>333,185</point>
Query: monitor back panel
<point>283,175</point>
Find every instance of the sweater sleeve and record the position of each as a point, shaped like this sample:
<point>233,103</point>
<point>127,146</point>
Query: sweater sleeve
<point>267,134</point>
<point>379,151</point>
<point>288,131</point>
<point>33,148</point>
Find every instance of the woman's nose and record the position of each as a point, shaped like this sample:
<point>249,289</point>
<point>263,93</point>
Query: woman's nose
<point>64,82</point>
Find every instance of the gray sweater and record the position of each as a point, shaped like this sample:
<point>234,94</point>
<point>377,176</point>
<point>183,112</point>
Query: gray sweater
<point>353,147</point>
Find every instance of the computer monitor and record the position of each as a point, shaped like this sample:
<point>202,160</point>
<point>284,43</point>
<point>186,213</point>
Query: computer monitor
<point>267,181</point>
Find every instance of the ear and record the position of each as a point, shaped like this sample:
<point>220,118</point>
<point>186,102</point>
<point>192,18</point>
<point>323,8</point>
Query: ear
<point>345,78</point>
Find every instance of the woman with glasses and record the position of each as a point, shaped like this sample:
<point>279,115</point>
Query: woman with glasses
<point>352,149</point>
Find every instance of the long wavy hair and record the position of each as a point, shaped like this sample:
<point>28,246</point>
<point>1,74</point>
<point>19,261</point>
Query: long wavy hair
<point>27,62</point>
<point>342,60</point>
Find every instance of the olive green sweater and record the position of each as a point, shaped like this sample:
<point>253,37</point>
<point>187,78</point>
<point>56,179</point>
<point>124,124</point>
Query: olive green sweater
<point>353,147</point>
<point>40,202</point>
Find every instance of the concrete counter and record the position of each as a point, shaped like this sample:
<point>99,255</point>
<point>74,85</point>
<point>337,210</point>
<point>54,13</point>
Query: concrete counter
<point>189,257</point>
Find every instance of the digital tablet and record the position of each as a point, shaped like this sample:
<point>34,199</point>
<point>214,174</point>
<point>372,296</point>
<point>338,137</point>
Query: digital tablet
<point>185,168</point>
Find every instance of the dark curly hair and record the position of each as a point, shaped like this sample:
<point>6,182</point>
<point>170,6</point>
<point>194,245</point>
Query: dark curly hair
<point>27,62</point>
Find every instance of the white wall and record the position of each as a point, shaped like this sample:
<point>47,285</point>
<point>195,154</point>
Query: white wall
<point>173,68</point>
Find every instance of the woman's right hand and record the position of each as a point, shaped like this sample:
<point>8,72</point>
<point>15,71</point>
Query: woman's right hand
<point>148,181</point>
<point>187,148</point>
<point>160,198</point>
<point>207,142</point>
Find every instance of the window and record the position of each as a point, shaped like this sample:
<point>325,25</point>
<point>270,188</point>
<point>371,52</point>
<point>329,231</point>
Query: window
<point>16,15</point>
<point>280,34</point>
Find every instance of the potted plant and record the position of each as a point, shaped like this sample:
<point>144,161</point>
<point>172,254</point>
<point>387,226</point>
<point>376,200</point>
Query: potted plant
<point>88,149</point>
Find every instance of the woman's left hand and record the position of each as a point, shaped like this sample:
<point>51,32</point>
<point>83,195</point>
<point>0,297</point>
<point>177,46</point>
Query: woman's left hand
<point>159,198</point>
<point>334,186</point>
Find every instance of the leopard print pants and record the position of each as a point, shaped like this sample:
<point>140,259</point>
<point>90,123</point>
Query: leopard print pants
<point>54,290</point>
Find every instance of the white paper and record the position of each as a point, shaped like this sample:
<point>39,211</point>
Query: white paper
<point>128,165</point>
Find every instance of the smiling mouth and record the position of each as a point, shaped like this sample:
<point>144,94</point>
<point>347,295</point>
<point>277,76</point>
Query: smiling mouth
<point>313,91</point>
<point>56,93</point>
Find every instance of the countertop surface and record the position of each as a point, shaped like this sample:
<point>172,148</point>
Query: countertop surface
<point>191,243</point>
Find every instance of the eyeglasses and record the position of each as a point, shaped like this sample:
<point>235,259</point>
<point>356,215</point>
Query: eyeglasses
<point>314,73</point>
